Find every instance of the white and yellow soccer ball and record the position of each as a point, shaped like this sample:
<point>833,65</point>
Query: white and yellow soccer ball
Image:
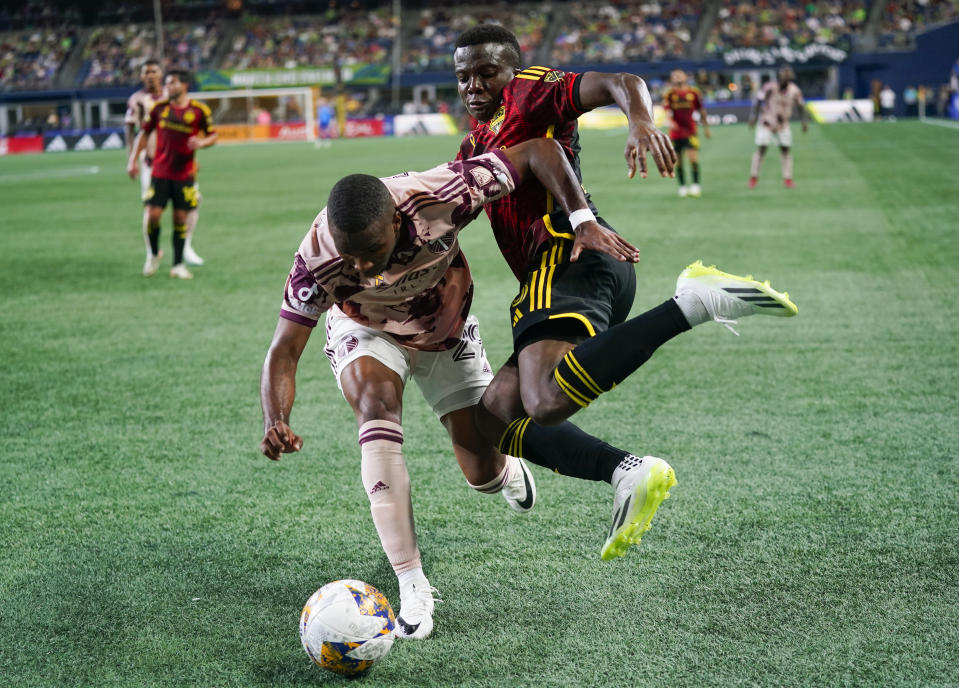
<point>346,626</point>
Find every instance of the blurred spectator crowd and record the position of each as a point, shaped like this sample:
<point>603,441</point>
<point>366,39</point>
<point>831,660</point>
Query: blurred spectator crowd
<point>38,38</point>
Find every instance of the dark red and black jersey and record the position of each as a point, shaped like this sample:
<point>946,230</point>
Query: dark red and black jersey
<point>538,103</point>
<point>174,126</point>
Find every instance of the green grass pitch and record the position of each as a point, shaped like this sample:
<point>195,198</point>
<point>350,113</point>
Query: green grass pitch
<point>812,540</point>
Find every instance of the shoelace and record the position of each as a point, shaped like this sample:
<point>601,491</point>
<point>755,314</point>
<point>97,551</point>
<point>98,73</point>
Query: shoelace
<point>727,323</point>
<point>418,596</point>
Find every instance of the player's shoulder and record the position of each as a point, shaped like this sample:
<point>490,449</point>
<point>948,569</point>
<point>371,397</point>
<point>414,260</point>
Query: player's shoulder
<point>543,75</point>
<point>201,106</point>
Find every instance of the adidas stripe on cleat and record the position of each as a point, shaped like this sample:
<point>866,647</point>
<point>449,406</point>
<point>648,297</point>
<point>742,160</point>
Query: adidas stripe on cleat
<point>727,297</point>
<point>638,495</point>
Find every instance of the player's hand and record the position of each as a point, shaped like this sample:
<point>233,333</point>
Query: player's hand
<point>193,143</point>
<point>709,134</point>
<point>280,439</point>
<point>805,127</point>
<point>644,138</point>
<point>752,124</point>
<point>133,169</point>
<point>594,237</point>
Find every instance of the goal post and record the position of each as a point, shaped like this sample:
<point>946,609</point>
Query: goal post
<point>262,114</point>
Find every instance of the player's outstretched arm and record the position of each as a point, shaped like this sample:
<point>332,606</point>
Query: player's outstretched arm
<point>545,160</point>
<point>278,388</point>
<point>133,163</point>
<point>197,142</point>
<point>629,92</point>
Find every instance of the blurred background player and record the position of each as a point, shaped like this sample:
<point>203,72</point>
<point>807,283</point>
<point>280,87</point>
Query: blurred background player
<point>772,109</point>
<point>139,106</point>
<point>182,126</point>
<point>680,102</point>
<point>383,261</point>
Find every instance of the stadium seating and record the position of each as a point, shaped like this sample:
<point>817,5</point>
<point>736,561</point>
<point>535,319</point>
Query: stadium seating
<point>312,40</point>
<point>626,32</point>
<point>903,19</point>
<point>433,31</point>
<point>30,59</point>
<point>786,23</point>
<point>113,54</point>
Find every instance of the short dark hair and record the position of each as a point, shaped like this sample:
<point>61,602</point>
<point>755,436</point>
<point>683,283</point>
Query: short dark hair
<point>356,201</point>
<point>151,61</point>
<point>492,33</point>
<point>182,75</point>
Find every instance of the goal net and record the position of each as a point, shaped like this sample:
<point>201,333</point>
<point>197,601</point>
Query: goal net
<point>262,114</point>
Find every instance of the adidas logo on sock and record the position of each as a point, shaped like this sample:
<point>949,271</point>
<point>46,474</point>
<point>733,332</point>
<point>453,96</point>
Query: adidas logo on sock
<point>380,485</point>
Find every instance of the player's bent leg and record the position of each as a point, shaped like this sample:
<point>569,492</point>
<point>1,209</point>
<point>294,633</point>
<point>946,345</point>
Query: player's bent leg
<point>189,254</point>
<point>486,469</point>
<point>641,485</point>
<point>543,399</point>
<point>705,293</point>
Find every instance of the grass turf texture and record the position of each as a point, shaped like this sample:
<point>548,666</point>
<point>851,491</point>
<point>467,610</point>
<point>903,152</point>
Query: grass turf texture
<point>812,539</point>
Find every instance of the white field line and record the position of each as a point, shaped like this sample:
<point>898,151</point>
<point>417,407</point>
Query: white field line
<point>50,174</point>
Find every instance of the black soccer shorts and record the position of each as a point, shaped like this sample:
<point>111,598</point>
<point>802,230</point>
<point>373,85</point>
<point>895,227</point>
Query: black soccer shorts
<point>570,301</point>
<point>691,143</point>
<point>183,193</point>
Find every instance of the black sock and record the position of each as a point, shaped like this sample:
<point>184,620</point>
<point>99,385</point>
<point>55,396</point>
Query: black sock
<point>179,239</point>
<point>681,174</point>
<point>603,361</point>
<point>153,234</point>
<point>562,448</point>
<point>695,172</point>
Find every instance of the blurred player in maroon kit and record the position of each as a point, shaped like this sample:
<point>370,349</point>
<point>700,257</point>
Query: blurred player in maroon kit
<point>681,101</point>
<point>139,106</point>
<point>182,126</point>
<point>772,110</point>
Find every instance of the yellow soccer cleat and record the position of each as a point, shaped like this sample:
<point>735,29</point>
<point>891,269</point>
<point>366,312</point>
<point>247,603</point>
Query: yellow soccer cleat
<point>727,297</point>
<point>638,495</point>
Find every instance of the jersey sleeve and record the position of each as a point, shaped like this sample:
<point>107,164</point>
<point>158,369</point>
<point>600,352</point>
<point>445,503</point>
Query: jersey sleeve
<point>206,118</point>
<point>464,187</point>
<point>667,101</point>
<point>304,300</point>
<point>547,96</point>
<point>154,118</point>
<point>132,115</point>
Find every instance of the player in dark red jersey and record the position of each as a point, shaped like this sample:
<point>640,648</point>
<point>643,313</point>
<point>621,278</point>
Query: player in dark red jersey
<point>571,339</point>
<point>681,101</point>
<point>183,126</point>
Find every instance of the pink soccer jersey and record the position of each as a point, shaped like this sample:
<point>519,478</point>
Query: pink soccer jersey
<point>776,104</point>
<point>139,106</point>
<point>423,297</point>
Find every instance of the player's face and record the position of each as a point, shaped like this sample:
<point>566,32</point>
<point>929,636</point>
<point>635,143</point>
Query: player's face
<point>369,252</point>
<point>482,71</point>
<point>150,76</point>
<point>786,75</point>
<point>679,78</point>
<point>174,87</point>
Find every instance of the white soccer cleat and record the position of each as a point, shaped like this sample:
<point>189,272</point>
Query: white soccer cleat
<point>415,619</point>
<point>191,257</point>
<point>683,192</point>
<point>727,297</point>
<point>520,491</point>
<point>151,266</point>
<point>179,271</point>
<point>638,495</point>
<point>695,191</point>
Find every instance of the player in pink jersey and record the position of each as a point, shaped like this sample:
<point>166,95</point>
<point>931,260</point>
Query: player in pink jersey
<point>383,261</point>
<point>773,109</point>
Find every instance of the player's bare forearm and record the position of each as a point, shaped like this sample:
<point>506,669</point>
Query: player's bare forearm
<point>130,137</point>
<point>133,163</point>
<point>545,160</point>
<point>629,92</point>
<point>278,388</point>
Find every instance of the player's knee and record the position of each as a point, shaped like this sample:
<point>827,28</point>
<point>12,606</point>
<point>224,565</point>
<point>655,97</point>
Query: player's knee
<point>550,407</point>
<point>369,407</point>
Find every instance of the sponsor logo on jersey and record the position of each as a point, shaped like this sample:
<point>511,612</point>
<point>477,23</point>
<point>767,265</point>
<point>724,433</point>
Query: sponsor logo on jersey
<point>443,244</point>
<point>189,116</point>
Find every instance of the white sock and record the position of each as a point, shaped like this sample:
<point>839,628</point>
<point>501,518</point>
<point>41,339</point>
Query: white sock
<point>411,577</point>
<point>692,307</point>
<point>499,482</point>
<point>629,463</point>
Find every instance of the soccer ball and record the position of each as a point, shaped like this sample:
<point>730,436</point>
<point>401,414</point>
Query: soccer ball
<point>346,626</point>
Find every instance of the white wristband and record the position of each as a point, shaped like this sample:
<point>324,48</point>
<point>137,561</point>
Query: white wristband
<point>578,217</point>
